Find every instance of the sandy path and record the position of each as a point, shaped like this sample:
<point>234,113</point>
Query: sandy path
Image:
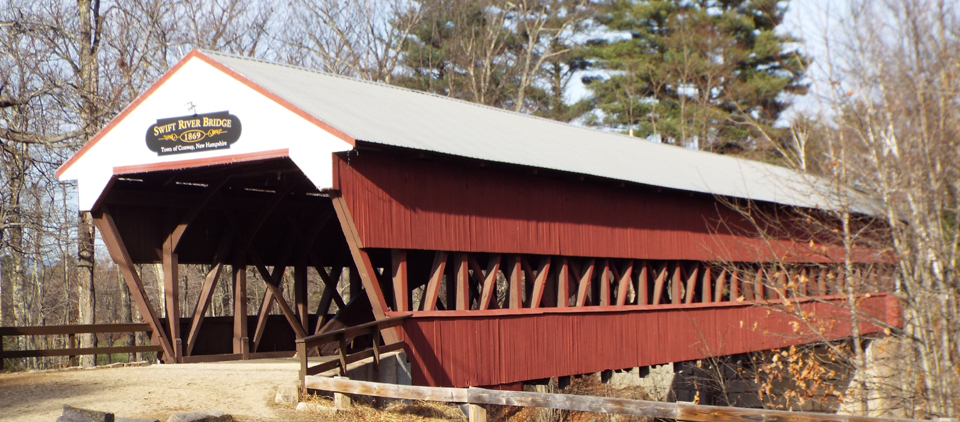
<point>243,389</point>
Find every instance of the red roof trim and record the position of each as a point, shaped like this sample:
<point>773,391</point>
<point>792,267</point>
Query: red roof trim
<point>123,114</point>
<point>200,162</point>
<point>207,59</point>
<point>286,104</point>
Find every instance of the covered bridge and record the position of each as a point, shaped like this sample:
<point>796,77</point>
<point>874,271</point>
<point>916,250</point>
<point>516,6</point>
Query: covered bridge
<point>525,248</point>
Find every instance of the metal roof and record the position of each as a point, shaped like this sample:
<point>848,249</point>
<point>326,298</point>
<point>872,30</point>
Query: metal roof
<point>389,115</point>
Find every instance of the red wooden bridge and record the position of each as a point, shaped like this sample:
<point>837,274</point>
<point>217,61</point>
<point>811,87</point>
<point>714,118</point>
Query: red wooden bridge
<point>524,248</point>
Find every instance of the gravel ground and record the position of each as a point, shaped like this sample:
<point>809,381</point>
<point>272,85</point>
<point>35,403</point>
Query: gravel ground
<point>245,390</point>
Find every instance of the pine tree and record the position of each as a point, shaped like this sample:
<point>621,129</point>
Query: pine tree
<point>709,74</point>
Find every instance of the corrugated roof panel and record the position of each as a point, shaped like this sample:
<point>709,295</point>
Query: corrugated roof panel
<point>400,117</point>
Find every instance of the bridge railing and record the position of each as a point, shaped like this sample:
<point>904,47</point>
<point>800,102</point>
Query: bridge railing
<point>342,337</point>
<point>71,331</point>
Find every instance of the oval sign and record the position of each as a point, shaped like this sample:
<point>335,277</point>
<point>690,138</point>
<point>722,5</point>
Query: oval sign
<point>199,132</point>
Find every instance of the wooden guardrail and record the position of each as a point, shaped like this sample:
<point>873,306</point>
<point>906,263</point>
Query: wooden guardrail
<point>342,336</point>
<point>480,396</point>
<point>71,331</point>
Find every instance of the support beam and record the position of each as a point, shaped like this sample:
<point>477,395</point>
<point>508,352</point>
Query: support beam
<point>758,285</point>
<point>329,294</point>
<point>642,284</point>
<point>691,288</point>
<point>675,284</point>
<point>432,292</point>
<point>241,341</point>
<point>490,282</point>
<point>118,252</point>
<point>706,293</point>
<point>364,267</point>
<point>718,288</point>
<point>463,284</point>
<point>300,295</point>
<point>206,293</point>
<point>171,291</point>
<point>263,315</point>
<point>658,285</point>
<point>626,277</point>
<point>563,284</point>
<point>735,286</point>
<point>605,283</point>
<point>539,284</point>
<point>398,269</point>
<point>273,284</point>
<point>585,280</point>
<point>516,283</point>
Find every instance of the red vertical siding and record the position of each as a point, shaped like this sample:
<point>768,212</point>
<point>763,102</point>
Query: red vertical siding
<point>500,347</point>
<point>423,204</point>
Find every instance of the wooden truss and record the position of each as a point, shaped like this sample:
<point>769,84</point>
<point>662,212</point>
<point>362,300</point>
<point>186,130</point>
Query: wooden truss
<point>459,281</point>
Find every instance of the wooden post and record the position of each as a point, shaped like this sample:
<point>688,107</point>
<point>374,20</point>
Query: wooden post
<point>476,413</point>
<point>432,292</point>
<point>675,284</point>
<point>563,284</point>
<point>300,293</point>
<point>605,283</point>
<point>341,401</point>
<point>463,284</point>
<point>489,282</point>
<point>585,280</point>
<point>516,283</point>
<point>707,291</point>
<point>171,288</point>
<point>72,340</point>
<point>401,295</point>
<point>642,287</point>
<point>241,342</point>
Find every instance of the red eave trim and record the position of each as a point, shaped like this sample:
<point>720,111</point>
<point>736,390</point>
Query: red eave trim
<point>199,162</point>
<point>207,59</point>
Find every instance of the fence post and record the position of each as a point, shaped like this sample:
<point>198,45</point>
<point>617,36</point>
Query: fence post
<point>72,340</point>
<point>476,413</point>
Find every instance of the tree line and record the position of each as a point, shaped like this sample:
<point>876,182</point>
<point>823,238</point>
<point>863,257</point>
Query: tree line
<point>715,75</point>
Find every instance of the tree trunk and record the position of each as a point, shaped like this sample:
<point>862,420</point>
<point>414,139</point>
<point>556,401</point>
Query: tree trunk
<point>86,293</point>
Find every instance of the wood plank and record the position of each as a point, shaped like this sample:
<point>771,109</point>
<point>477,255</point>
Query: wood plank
<point>432,292</point>
<point>43,330</point>
<point>515,278</point>
<point>658,285</point>
<point>585,282</point>
<point>539,284</point>
<point>490,282</point>
<point>16,354</point>
<point>463,283</point>
<point>206,292</point>
<point>398,272</point>
<point>573,402</point>
<point>407,392</point>
<point>118,252</point>
<point>691,286</point>
<point>365,354</point>
<point>625,279</point>
<point>720,284</point>
<point>362,261</point>
<point>563,284</point>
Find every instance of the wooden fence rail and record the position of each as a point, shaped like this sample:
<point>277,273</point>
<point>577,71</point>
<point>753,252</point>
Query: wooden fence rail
<point>71,331</point>
<point>481,396</point>
<point>342,336</point>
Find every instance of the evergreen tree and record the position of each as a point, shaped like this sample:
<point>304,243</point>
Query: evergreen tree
<point>516,55</point>
<point>710,74</point>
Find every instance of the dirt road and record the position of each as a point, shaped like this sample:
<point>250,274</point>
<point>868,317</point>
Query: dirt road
<point>245,390</point>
